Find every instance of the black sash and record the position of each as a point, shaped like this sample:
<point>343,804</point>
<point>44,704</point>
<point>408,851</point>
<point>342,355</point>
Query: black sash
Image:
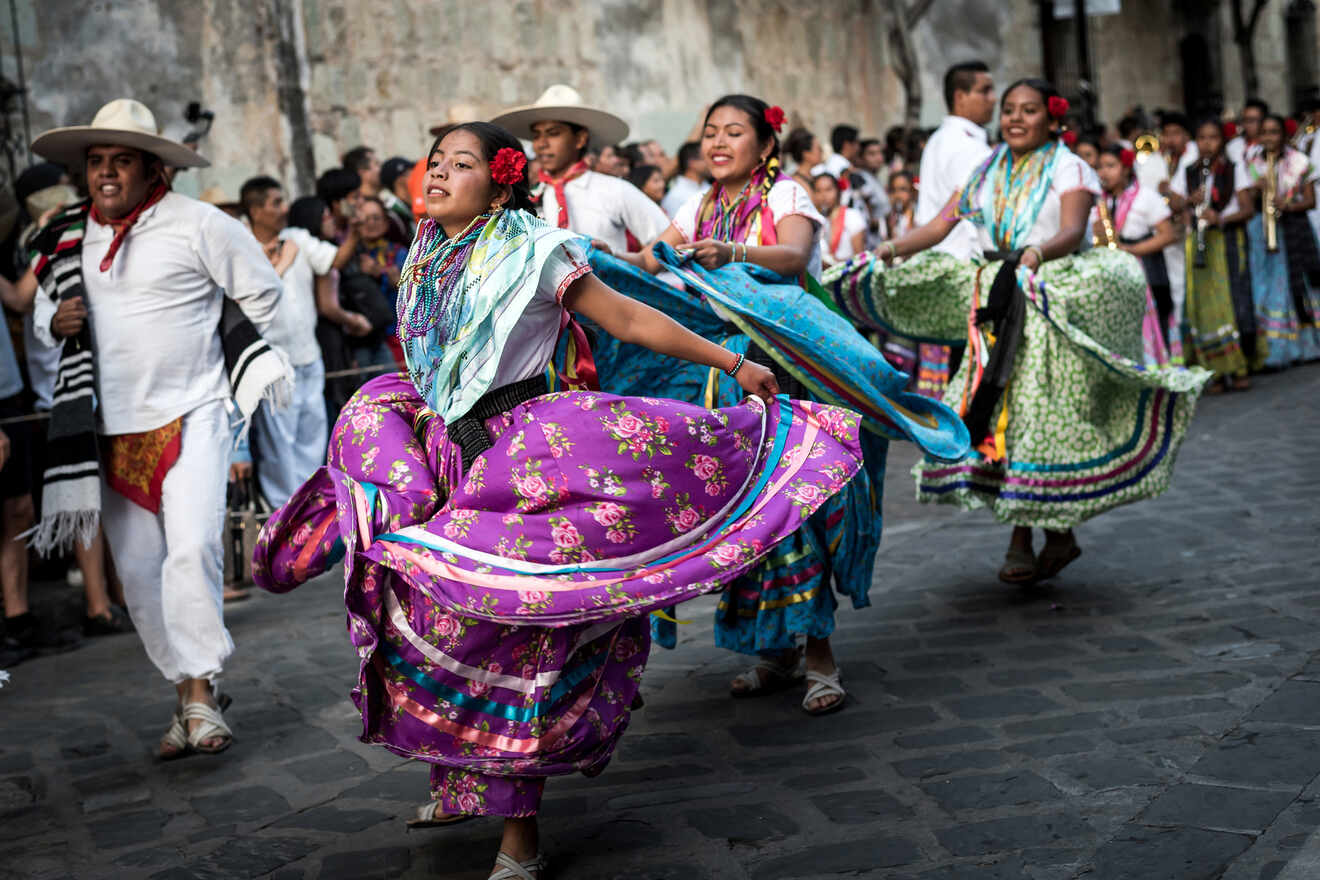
<point>469,430</point>
<point>1006,308</point>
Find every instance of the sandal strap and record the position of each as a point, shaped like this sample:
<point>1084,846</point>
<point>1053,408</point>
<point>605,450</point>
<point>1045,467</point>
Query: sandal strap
<point>213,723</point>
<point>822,685</point>
<point>177,736</point>
<point>506,868</point>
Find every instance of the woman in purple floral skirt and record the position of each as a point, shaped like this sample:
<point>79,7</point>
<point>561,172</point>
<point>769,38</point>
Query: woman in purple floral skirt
<point>502,545</point>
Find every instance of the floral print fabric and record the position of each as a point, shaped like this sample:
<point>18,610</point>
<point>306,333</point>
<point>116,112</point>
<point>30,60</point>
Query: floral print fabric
<point>1088,425</point>
<point>499,614</point>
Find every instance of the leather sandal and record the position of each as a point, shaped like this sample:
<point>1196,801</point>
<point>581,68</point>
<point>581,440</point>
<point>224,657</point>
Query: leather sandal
<point>1052,561</point>
<point>780,673</point>
<point>426,817</point>
<point>1020,567</point>
<point>824,685</point>
<point>507,868</point>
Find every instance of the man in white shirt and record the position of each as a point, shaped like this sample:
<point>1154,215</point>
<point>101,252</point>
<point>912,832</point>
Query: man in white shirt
<point>956,148</point>
<point>1253,114</point>
<point>290,441</point>
<point>605,208</point>
<point>154,270</point>
<point>869,167</point>
<point>691,178</point>
<point>1178,152</point>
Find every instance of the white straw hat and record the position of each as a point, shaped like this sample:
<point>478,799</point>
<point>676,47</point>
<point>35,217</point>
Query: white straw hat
<point>123,122</point>
<point>563,104</point>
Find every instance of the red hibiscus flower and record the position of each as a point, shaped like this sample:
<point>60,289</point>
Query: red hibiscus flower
<point>1058,107</point>
<point>1070,139</point>
<point>1290,126</point>
<point>507,166</point>
<point>774,116</point>
<point>1230,130</point>
<point>1127,157</point>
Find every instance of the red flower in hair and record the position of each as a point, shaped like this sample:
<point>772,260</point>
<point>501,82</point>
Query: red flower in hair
<point>1230,130</point>
<point>774,116</point>
<point>1127,157</point>
<point>507,166</point>
<point>1057,106</point>
<point>1290,126</point>
<point>844,183</point>
<point>1070,139</point>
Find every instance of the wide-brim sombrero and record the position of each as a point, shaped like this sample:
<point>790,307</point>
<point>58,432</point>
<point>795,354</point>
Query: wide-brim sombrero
<point>563,104</point>
<point>122,122</point>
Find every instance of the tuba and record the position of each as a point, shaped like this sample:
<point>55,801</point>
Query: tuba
<point>1146,145</point>
<point>1270,203</point>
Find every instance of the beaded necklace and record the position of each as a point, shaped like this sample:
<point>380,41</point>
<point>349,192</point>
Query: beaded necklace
<point>429,292</point>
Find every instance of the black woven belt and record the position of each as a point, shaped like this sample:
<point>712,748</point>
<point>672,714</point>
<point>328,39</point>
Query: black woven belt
<point>469,430</point>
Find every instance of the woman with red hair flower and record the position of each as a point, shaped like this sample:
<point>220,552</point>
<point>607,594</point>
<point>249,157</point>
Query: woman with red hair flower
<point>1133,218</point>
<point>1066,419</point>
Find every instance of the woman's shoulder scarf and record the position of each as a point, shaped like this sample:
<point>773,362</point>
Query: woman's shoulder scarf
<point>1018,191</point>
<point>71,484</point>
<point>1291,170</point>
<point>748,217</point>
<point>452,367</point>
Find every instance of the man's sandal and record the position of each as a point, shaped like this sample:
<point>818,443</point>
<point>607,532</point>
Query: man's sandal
<point>212,726</point>
<point>779,674</point>
<point>822,685</point>
<point>426,817</point>
<point>1020,567</point>
<point>507,868</point>
<point>177,735</point>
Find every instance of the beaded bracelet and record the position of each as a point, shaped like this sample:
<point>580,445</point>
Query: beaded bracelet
<point>737,365</point>
<point>1040,257</point>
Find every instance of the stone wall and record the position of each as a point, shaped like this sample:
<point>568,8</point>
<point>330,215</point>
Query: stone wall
<point>294,82</point>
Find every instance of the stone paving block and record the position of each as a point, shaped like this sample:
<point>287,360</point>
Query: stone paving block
<point>1100,772</point>
<point>1058,724</point>
<point>1009,869</point>
<point>1166,854</point>
<point>1046,651</point>
<point>117,789</point>
<point>12,761</point>
<point>1021,677</point>
<point>128,829</point>
<point>1286,757</point>
<point>943,660</point>
<point>1054,745</point>
<point>679,794</point>
<point>823,778</point>
<point>844,726</point>
<point>991,790</point>
<point>411,783</point>
<point>1178,708</point>
<point>1012,833</point>
<point>242,857</point>
<point>951,736</point>
<point>1022,701</point>
<point>1155,688</point>
<point>973,638</point>
<point>859,806</point>
<point>740,823</point>
<point>854,857</point>
<point>372,864</point>
<point>1124,644</point>
<point>333,819</point>
<point>241,805</point>
<point>336,766</point>
<point>1295,702</point>
<point>943,624</point>
<point>1133,663</point>
<point>953,762</point>
<point>925,688</point>
<point>619,776</point>
<point>658,746</point>
<point>1217,808</point>
<point>1150,733</point>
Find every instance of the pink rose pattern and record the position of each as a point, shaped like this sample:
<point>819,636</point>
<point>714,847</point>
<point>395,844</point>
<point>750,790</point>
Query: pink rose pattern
<point>613,490</point>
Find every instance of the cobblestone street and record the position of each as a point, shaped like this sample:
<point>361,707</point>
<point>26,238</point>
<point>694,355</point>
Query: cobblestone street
<point>1155,715</point>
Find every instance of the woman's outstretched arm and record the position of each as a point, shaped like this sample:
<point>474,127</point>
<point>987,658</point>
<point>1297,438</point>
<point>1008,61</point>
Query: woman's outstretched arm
<point>628,320</point>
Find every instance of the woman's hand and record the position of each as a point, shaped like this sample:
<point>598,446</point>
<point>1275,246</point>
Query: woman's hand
<point>1030,259</point>
<point>709,253</point>
<point>886,252</point>
<point>756,379</point>
<point>602,246</point>
<point>356,324</point>
<point>1210,216</point>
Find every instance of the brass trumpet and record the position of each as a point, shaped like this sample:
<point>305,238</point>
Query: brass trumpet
<point>1270,206</point>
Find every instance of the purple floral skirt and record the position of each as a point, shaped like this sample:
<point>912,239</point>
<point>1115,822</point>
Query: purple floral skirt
<point>499,615</point>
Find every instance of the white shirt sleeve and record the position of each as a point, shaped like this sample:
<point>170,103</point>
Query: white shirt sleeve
<point>641,216</point>
<point>1071,173</point>
<point>1154,210</point>
<point>567,263</point>
<point>43,309</point>
<point>685,218</point>
<point>787,197</point>
<point>854,221</point>
<point>319,252</point>
<point>1241,179</point>
<point>1178,184</point>
<point>233,259</point>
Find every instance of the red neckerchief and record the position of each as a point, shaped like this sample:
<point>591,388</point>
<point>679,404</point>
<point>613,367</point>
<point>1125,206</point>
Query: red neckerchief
<point>836,228</point>
<point>121,227</point>
<point>558,183</point>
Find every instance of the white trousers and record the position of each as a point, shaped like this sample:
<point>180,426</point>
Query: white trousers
<point>289,443</point>
<point>172,562</point>
<point>1175,261</point>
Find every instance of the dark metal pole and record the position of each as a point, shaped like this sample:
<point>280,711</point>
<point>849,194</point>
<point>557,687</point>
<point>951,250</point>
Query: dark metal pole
<point>22,83</point>
<point>1084,83</point>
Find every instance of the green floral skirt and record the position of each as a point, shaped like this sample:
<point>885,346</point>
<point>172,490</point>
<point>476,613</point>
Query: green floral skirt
<point>1084,425</point>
